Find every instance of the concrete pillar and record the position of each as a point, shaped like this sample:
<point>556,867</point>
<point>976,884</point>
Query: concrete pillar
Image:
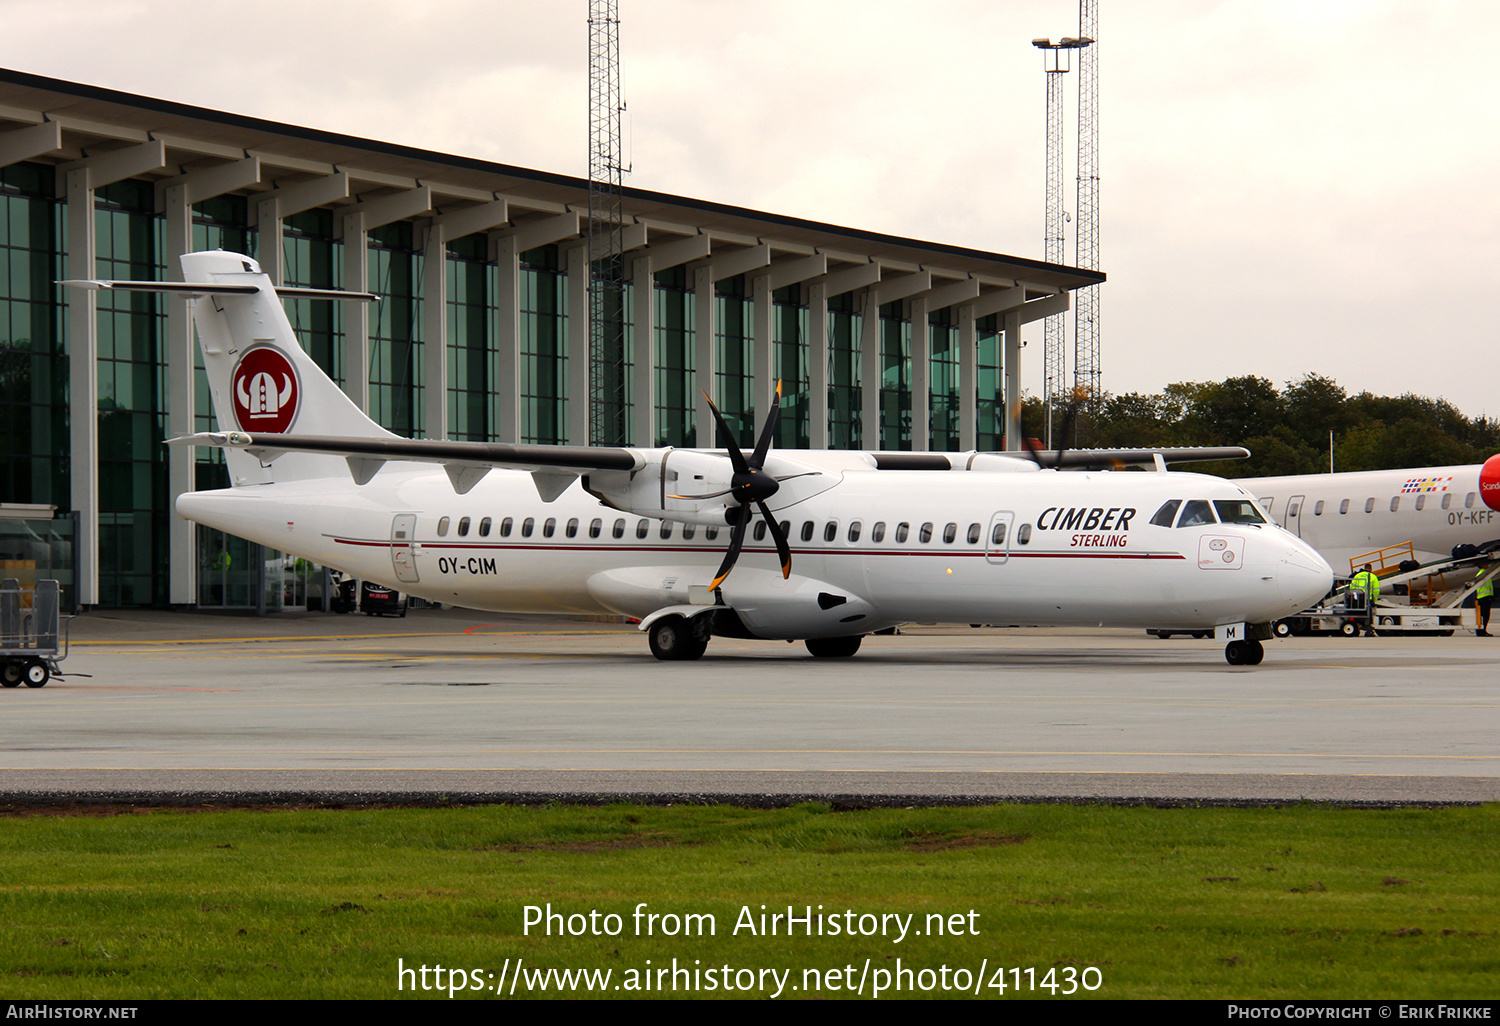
<point>83,382</point>
<point>435,332</point>
<point>817,365</point>
<point>357,315</point>
<point>580,372</point>
<point>705,349</point>
<point>507,378</point>
<point>968,380</point>
<point>921,376</point>
<point>181,367</point>
<point>643,353</point>
<point>1012,371</point>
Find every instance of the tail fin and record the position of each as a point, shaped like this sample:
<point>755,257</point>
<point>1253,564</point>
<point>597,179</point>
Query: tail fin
<point>260,379</point>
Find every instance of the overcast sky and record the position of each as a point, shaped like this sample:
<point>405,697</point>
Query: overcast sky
<point>1287,186</point>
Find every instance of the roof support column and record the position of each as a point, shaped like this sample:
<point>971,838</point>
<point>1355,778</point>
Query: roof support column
<point>921,375</point>
<point>272,208</point>
<point>357,315</point>
<point>83,383</point>
<point>817,365</point>
<point>178,196</point>
<point>704,351</point>
<point>1012,370</point>
<point>643,352</point>
<point>968,379</point>
<point>579,370</point>
<point>869,371</point>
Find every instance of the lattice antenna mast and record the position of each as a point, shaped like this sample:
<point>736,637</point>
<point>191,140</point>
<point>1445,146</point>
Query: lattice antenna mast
<point>607,358</point>
<point>1086,368</point>
<point>1055,58</point>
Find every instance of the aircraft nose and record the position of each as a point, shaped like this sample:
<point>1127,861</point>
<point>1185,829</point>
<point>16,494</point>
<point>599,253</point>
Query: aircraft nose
<point>1304,577</point>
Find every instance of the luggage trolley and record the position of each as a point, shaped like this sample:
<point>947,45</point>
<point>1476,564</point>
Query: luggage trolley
<point>33,633</point>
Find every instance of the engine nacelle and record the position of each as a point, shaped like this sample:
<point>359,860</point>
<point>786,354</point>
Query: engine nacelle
<point>648,492</point>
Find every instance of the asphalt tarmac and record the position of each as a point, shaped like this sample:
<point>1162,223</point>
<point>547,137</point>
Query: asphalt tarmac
<point>466,706</point>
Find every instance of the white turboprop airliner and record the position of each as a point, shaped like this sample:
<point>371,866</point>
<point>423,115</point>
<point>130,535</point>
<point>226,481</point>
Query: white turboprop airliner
<point>639,531</point>
<point>1348,516</point>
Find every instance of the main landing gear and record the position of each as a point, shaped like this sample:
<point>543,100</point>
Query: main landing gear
<point>1244,653</point>
<point>834,648</point>
<point>677,637</point>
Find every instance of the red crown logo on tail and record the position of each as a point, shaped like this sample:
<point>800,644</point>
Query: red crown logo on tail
<point>266,391</point>
<point>1489,482</point>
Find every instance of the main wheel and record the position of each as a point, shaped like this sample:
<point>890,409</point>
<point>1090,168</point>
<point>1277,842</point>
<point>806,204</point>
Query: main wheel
<point>1282,628</point>
<point>1200,635</point>
<point>834,648</point>
<point>1163,635</point>
<point>676,637</point>
<point>37,674</point>
<point>11,673</point>
<point>1256,654</point>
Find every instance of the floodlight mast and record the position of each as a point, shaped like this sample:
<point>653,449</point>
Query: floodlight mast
<point>1055,62</point>
<point>1086,368</point>
<point>607,364</point>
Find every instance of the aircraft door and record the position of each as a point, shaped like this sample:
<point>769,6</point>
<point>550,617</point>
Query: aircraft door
<point>403,558</point>
<point>997,541</point>
<point>1293,520</point>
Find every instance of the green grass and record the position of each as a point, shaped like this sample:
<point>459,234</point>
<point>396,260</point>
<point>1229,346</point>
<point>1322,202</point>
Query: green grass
<point>1301,902</point>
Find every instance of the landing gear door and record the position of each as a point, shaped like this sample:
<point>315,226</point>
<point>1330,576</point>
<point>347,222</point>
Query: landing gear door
<point>997,541</point>
<point>1293,521</point>
<point>403,557</point>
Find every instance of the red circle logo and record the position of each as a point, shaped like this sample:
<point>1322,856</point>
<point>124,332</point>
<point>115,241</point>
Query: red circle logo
<point>266,391</point>
<point>1489,482</point>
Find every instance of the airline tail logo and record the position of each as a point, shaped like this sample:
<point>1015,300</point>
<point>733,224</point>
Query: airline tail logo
<point>1489,482</point>
<point>266,391</point>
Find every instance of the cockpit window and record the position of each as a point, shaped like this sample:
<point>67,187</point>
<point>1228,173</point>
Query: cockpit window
<point>1196,513</point>
<point>1238,511</point>
<point>1163,517</point>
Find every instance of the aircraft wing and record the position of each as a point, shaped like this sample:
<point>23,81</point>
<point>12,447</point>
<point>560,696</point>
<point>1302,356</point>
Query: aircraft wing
<point>1107,459</point>
<point>553,467</point>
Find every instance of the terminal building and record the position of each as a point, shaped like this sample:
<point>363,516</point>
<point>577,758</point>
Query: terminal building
<point>481,331</point>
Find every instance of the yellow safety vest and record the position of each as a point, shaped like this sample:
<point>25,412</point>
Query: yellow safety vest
<point>1368,583</point>
<point>1486,590</point>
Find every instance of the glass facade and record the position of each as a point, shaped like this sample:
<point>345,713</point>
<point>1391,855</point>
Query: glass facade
<point>676,362</point>
<point>544,349</point>
<point>844,401</point>
<point>395,343</point>
<point>472,320</point>
<point>789,325</point>
<point>734,357</point>
<point>895,378</point>
<point>943,334</point>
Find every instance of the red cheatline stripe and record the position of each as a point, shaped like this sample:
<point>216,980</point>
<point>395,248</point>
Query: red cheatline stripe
<point>608,547</point>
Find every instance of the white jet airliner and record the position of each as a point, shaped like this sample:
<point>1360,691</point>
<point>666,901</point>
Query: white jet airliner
<point>1349,516</point>
<point>640,531</point>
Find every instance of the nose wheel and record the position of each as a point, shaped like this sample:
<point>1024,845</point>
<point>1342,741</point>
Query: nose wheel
<point>1244,653</point>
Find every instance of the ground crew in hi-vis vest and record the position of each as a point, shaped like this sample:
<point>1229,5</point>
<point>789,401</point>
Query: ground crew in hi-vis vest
<point>1483,597</point>
<point>1367,582</point>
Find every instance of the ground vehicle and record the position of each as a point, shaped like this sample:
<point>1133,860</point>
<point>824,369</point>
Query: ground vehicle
<point>33,634</point>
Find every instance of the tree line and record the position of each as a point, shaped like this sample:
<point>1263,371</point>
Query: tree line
<point>1286,430</point>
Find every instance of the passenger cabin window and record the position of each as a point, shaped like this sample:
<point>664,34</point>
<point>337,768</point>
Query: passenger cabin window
<point>831,531</point>
<point>1197,513</point>
<point>786,528</point>
<point>463,527</point>
<point>710,533</point>
<point>443,528</point>
<point>549,528</point>
<point>642,528</point>
<point>1469,501</point>
<point>925,535</point>
<point>1294,508</point>
<point>1024,534</point>
<point>596,528</point>
<point>666,529</point>
<point>619,529</point>
<point>950,533</point>
<point>877,533</point>
<point>1161,518</point>
<point>505,526</point>
<point>688,530</point>
<point>1395,503</point>
<point>901,531</point>
<point>1318,509</point>
<point>854,529</point>
<point>1421,502</point>
<point>807,530</point>
<point>527,526</point>
<point>1344,507</point>
<point>997,536</point>
<point>759,531</point>
<point>484,527</point>
<point>1447,499</point>
<point>572,529</point>
<point>1370,505</point>
<point>975,531</point>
